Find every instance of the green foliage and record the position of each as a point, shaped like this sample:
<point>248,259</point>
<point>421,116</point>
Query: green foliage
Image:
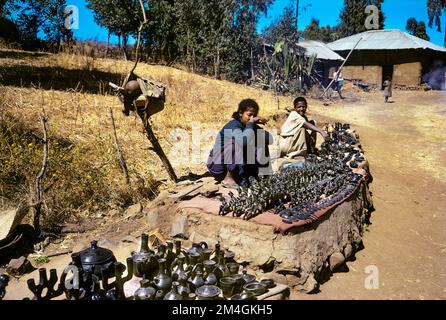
<point>314,32</point>
<point>120,17</point>
<point>41,259</point>
<point>435,8</point>
<point>353,16</point>
<point>417,29</point>
<point>286,69</point>
<point>47,16</point>
<point>282,29</point>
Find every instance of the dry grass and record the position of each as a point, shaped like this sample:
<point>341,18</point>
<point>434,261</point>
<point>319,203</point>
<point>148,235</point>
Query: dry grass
<point>72,91</point>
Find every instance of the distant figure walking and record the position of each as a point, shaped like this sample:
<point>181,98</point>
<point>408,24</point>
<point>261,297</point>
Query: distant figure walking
<point>339,81</point>
<point>387,86</point>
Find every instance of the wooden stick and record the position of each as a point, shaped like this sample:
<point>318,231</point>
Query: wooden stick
<point>138,43</point>
<point>159,151</point>
<point>118,149</point>
<point>340,68</point>
<point>38,191</point>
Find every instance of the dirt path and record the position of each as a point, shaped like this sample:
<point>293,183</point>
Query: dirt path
<point>404,142</point>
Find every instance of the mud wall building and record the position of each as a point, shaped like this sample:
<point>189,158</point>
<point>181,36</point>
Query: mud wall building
<point>408,60</point>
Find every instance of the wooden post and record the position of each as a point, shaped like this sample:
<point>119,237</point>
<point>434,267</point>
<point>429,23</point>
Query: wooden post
<point>38,186</point>
<point>159,151</point>
<point>340,68</point>
<point>118,149</point>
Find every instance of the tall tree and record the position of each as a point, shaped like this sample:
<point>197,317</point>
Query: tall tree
<point>353,16</point>
<point>120,17</point>
<point>435,9</point>
<point>314,32</point>
<point>417,29</point>
<point>47,16</point>
<point>283,28</point>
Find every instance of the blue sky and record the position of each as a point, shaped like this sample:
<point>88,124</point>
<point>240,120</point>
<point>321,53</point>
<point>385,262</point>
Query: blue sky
<point>327,11</point>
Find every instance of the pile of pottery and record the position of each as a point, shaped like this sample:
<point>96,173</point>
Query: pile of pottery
<point>297,192</point>
<point>173,273</point>
<point>169,273</point>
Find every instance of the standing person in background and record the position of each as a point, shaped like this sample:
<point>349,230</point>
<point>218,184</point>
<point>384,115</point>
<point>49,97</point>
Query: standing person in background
<point>387,86</point>
<point>339,81</point>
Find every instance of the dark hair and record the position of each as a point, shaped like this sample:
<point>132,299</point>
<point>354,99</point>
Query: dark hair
<point>245,105</point>
<point>299,99</point>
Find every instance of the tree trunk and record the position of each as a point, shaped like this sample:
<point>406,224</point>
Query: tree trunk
<point>445,35</point>
<point>124,45</point>
<point>217,64</point>
<point>252,63</point>
<point>108,44</point>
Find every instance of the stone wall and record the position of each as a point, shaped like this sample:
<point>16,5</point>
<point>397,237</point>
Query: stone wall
<point>301,258</point>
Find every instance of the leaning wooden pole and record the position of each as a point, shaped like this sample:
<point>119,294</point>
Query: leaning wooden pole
<point>38,185</point>
<point>121,159</point>
<point>159,151</point>
<point>340,68</point>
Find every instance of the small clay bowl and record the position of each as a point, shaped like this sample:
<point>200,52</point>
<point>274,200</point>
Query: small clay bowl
<point>269,283</point>
<point>256,288</point>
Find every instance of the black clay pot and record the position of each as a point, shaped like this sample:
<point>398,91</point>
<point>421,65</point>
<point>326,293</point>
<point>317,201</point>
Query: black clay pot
<point>4,280</point>
<point>96,260</point>
<point>173,295</point>
<point>256,288</point>
<point>209,277</point>
<point>233,267</point>
<point>208,292</point>
<point>248,277</point>
<point>162,280</point>
<point>269,283</point>
<point>144,262</point>
<point>227,285</point>
<point>244,296</point>
<point>145,292</point>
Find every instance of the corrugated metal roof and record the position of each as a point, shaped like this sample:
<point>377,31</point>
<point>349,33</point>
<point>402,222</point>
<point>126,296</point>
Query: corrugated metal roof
<point>320,49</point>
<point>383,40</point>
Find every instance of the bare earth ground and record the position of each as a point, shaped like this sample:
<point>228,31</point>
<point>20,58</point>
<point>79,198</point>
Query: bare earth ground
<point>404,142</point>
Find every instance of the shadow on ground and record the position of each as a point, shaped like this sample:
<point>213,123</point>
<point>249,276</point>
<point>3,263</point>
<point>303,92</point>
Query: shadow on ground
<point>21,54</point>
<point>56,78</point>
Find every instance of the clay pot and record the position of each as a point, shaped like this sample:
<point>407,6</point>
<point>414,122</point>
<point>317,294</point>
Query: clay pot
<point>208,292</point>
<point>162,280</point>
<point>145,292</point>
<point>256,288</point>
<point>227,285</point>
<point>173,294</point>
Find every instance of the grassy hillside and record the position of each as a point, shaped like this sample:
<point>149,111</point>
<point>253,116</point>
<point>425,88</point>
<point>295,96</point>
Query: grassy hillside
<point>84,175</point>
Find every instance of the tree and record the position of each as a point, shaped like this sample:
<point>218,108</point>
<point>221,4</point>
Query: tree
<point>120,17</point>
<point>435,8</point>
<point>314,32</point>
<point>353,16</point>
<point>244,40</point>
<point>283,28</point>
<point>47,16</point>
<point>417,29</point>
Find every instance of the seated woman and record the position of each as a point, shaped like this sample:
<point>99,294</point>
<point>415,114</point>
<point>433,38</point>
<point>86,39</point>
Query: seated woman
<point>294,139</point>
<point>241,148</point>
